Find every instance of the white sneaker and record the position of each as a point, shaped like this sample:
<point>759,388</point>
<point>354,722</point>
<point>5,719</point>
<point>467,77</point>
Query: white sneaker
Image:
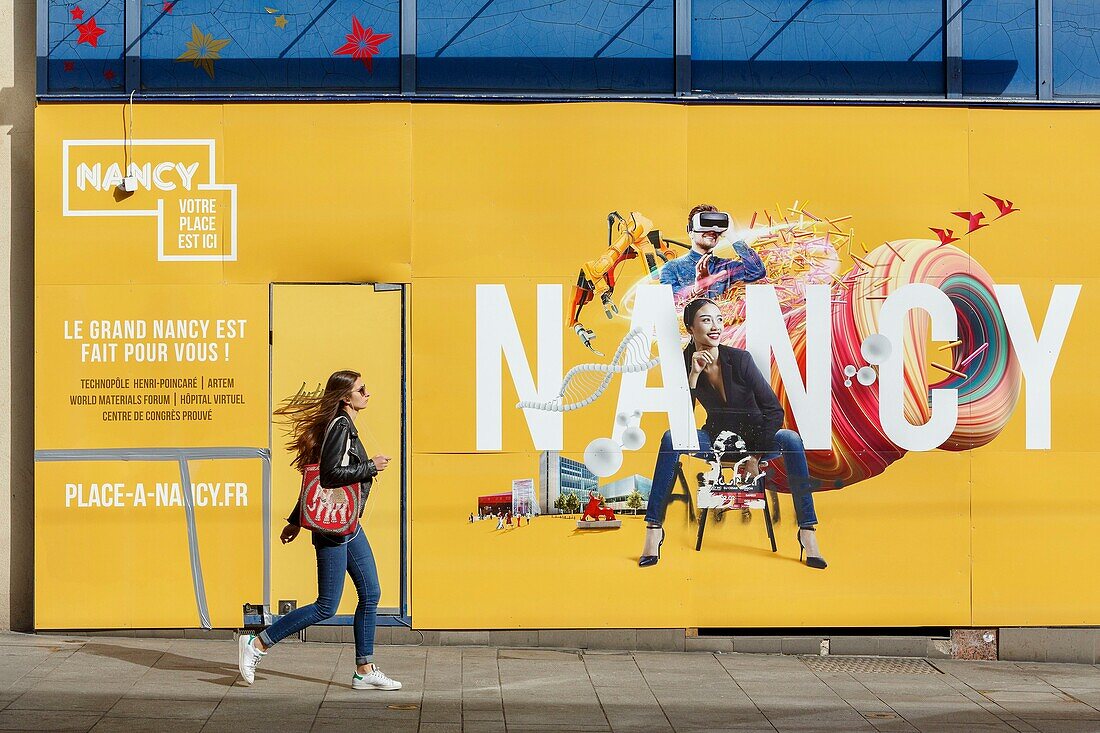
<point>376,680</point>
<point>248,657</point>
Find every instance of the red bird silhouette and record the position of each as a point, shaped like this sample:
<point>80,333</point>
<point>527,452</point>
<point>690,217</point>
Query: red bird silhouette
<point>1003,205</point>
<point>973,219</point>
<point>945,236</point>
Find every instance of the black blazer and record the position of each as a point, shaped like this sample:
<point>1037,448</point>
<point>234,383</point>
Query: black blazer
<point>751,408</point>
<point>360,469</point>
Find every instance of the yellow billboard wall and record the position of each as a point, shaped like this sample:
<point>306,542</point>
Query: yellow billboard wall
<point>947,493</point>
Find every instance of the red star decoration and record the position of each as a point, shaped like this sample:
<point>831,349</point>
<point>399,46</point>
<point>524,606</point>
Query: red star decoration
<point>109,74</point>
<point>89,33</point>
<point>362,44</point>
<point>77,13</point>
<point>168,6</point>
<point>69,66</point>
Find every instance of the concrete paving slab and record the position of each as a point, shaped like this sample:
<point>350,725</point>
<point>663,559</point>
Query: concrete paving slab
<point>633,719</point>
<point>1063,726</point>
<point>887,721</point>
<point>563,638</point>
<point>485,726</point>
<point>758,644</point>
<point>1088,696</point>
<point>577,714</point>
<point>941,726</point>
<point>469,704</point>
<point>922,717</point>
<point>428,727</point>
<point>577,728</point>
<point>719,644</point>
<point>514,638</point>
<point>219,723</point>
<point>152,709</point>
<point>441,717</point>
<point>1082,678</point>
<point>641,726</point>
<point>464,638</point>
<point>664,640</point>
<point>108,683</point>
<point>47,720</point>
<point>150,725</point>
<point>612,639</point>
<point>59,699</point>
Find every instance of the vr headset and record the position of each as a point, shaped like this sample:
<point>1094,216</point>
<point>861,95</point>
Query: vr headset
<point>710,221</point>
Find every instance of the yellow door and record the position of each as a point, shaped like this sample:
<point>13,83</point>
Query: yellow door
<point>315,331</point>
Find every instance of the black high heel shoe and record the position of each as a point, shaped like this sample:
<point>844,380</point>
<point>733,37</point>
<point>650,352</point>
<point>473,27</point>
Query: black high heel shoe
<point>646,560</point>
<point>812,561</point>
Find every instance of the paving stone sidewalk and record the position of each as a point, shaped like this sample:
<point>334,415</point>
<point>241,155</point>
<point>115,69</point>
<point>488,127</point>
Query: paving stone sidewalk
<point>133,684</point>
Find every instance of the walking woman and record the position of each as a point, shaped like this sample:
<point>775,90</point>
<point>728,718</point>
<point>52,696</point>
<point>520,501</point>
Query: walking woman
<point>737,398</point>
<point>321,429</point>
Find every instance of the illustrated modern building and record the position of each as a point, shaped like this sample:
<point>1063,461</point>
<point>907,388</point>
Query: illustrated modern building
<point>524,500</point>
<point>617,493</point>
<point>494,503</point>
<point>520,500</point>
<point>559,475</point>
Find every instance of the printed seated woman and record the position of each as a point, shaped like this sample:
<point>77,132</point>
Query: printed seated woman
<point>737,398</point>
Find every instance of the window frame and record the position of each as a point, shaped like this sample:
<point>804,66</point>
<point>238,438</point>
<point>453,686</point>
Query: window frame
<point>682,89</point>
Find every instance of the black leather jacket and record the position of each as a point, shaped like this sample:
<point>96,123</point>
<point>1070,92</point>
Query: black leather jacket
<point>360,469</point>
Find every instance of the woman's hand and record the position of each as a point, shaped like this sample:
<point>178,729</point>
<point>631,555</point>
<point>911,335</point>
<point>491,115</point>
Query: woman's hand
<point>380,462</point>
<point>700,360</point>
<point>290,531</point>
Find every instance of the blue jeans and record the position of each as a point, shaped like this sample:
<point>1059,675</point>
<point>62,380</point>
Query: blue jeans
<point>791,451</point>
<point>354,557</point>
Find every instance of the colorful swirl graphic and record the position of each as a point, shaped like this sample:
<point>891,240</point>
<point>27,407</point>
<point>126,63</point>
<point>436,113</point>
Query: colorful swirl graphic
<point>983,366</point>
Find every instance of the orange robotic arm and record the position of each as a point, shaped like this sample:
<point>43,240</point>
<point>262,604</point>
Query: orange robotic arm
<point>627,238</point>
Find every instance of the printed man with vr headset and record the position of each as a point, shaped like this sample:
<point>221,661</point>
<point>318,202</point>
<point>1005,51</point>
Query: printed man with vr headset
<point>699,273</point>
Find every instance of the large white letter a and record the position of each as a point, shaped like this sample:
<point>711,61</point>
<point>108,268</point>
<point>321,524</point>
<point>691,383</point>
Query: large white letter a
<point>655,316</point>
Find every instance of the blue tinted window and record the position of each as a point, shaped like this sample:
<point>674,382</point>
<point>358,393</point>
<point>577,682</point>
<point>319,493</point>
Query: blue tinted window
<point>85,50</point>
<point>315,44</point>
<point>1076,48</point>
<point>536,45</point>
<point>999,47</point>
<point>818,46</point>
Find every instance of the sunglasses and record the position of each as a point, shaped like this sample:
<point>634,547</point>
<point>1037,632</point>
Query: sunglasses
<point>362,390</point>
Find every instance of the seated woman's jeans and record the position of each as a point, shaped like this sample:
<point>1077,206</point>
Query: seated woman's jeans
<point>791,451</point>
<point>355,558</point>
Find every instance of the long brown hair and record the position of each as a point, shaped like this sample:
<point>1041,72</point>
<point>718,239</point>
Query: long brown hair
<point>307,417</point>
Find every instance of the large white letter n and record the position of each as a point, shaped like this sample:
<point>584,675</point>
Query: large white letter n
<point>496,333</point>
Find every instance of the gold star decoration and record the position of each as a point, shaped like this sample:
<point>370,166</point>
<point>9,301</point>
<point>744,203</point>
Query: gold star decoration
<point>280,21</point>
<point>202,49</point>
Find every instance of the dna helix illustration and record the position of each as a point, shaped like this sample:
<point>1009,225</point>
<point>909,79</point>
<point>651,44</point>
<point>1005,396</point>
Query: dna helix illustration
<point>584,383</point>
